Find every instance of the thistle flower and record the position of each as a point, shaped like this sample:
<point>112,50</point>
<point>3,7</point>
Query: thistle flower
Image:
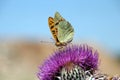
<point>69,63</point>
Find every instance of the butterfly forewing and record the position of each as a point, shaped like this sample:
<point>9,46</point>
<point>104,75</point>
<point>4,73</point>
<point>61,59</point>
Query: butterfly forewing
<point>53,29</point>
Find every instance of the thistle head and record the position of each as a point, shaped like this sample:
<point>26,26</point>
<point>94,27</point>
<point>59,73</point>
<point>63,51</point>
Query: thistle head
<point>69,63</point>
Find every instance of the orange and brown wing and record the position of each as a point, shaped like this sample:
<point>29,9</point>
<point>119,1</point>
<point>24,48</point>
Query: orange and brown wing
<point>53,29</point>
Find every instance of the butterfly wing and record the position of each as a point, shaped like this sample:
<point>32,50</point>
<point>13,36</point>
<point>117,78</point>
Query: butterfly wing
<point>53,29</point>
<point>65,32</point>
<point>58,17</point>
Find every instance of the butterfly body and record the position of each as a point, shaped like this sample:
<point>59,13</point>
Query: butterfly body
<point>61,30</point>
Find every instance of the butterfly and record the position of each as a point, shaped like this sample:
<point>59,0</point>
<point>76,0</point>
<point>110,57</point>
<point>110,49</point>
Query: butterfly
<point>62,31</point>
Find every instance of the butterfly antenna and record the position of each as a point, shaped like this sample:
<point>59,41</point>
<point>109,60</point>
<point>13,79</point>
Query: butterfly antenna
<point>48,41</point>
<point>45,42</point>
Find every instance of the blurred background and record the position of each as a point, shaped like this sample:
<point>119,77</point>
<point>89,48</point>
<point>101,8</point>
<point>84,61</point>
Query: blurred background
<point>26,41</point>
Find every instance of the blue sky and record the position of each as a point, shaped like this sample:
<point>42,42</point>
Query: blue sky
<point>93,20</point>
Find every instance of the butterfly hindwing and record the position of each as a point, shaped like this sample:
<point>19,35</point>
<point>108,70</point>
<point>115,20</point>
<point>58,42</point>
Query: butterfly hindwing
<point>65,32</point>
<point>65,29</point>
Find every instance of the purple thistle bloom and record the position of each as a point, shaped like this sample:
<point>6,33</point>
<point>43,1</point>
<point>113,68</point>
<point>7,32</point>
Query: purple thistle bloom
<point>82,56</point>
